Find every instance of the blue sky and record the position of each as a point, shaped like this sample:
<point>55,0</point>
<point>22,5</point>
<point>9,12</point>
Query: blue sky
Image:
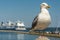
<point>26,10</point>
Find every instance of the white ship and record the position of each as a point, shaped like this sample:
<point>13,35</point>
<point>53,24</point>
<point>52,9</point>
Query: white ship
<point>13,26</point>
<point>10,25</point>
<point>20,26</point>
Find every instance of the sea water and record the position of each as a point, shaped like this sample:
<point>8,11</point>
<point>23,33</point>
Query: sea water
<point>15,36</point>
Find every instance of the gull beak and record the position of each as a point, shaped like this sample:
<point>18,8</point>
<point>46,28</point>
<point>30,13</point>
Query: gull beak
<point>48,6</point>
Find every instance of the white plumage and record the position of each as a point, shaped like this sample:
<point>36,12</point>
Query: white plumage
<point>43,19</point>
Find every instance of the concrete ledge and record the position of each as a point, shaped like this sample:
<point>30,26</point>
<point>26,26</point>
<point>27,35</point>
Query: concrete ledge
<point>32,33</point>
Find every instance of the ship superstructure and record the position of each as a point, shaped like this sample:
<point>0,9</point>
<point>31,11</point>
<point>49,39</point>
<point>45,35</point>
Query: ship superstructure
<point>12,25</point>
<point>20,25</point>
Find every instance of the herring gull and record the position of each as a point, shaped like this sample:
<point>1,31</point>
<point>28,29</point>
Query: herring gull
<point>43,19</point>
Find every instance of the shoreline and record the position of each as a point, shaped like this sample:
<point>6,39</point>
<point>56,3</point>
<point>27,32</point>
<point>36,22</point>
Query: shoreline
<point>32,33</point>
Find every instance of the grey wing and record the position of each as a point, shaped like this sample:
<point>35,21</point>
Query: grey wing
<point>34,23</point>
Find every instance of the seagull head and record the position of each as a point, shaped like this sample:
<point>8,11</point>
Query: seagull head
<point>45,5</point>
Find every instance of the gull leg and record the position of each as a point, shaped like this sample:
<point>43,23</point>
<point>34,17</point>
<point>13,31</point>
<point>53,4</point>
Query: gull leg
<point>31,31</point>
